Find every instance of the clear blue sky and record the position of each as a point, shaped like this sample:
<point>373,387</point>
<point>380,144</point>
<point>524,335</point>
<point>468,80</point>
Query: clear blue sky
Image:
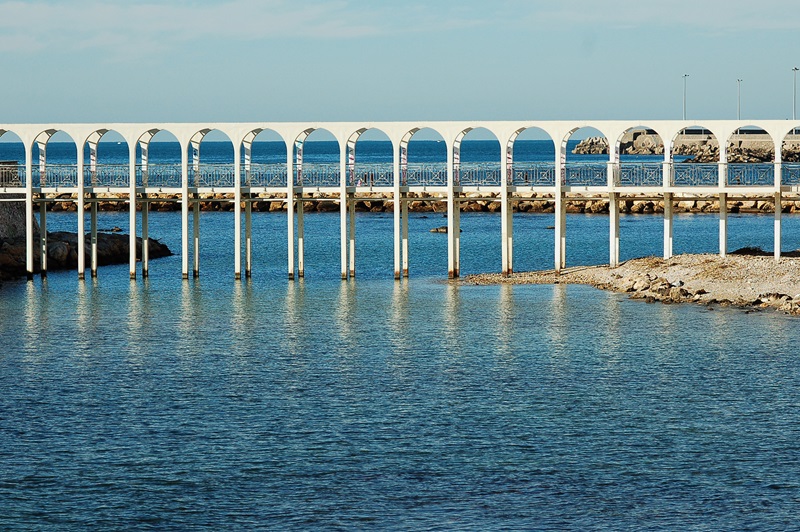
<point>276,60</point>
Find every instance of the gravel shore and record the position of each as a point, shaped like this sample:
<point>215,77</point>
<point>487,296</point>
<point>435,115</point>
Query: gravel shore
<point>747,279</point>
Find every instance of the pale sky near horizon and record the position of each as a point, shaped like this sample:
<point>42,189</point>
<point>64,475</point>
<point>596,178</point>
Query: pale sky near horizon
<point>359,60</point>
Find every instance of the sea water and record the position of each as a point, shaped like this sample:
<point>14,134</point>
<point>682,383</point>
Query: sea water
<point>371,403</point>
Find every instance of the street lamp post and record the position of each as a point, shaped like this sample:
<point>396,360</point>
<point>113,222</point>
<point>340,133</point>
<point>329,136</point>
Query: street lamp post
<point>794,94</point>
<point>738,99</point>
<point>684,95</point>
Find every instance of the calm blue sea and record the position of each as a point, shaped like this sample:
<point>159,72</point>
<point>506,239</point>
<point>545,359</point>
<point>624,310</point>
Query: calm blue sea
<point>321,404</point>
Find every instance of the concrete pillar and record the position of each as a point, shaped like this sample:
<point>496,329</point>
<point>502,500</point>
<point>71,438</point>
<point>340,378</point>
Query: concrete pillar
<point>237,211</point>
<point>81,219</point>
<point>404,222</point>
<point>777,228</point>
<point>343,227</point>
<point>301,241</point>
<point>132,211</point>
<point>196,234</point>
<point>29,210</point>
<point>505,218</point>
<point>613,233</point>
<point>290,206</point>
<point>352,214</point>
<point>397,208</point>
<point>248,236</point>
<point>43,237</point>
<point>145,237</point>
<point>93,230</point>
<point>668,224</point>
<point>452,206</point>
<point>723,224</point>
<point>184,212</point>
<point>560,214</point>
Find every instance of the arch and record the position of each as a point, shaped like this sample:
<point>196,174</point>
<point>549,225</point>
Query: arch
<point>316,158</point>
<point>107,159</point>
<point>373,164</point>
<point>476,161</point>
<point>530,157</point>
<point>750,153</point>
<point>790,157</point>
<point>585,154</point>
<point>12,160</point>
<point>215,169</point>
<point>55,159</point>
<point>158,159</point>
<point>694,152</point>
<point>263,157</point>
<point>641,157</point>
<point>423,158</point>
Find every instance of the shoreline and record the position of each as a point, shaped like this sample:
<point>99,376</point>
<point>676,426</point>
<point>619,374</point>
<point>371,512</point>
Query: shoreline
<point>748,279</point>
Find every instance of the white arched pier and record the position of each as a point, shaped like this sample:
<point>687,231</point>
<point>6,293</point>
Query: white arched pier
<point>37,182</point>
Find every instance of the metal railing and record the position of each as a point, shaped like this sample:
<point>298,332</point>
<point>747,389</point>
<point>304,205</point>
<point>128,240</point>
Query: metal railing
<point>533,174</point>
<point>212,175</point>
<point>640,174</point>
<point>586,174</point>
<point>477,174</point>
<point>790,174</point>
<point>751,174</point>
<point>56,175</point>
<point>317,175</point>
<point>425,175</point>
<point>106,175</point>
<point>12,175</point>
<point>265,175</point>
<point>159,175</point>
<point>695,174</point>
<point>372,175</point>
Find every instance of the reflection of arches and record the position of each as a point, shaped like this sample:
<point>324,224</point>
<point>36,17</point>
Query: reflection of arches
<point>375,167</point>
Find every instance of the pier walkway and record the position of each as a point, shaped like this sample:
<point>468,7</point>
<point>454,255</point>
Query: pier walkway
<point>505,180</point>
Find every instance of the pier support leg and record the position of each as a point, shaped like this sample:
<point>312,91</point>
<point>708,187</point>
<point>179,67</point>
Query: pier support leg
<point>93,229</point>
<point>237,234</point>
<point>352,215</point>
<point>343,232</point>
<point>29,244</point>
<point>504,240</point>
<point>301,250</point>
<point>668,215</point>
<point>43,237</point>
<point>132,236</point>
<point>196,236</point>
<point>457,233</point>
<point>560,231</point>
<point>290,207</point>
<point>145,237</point>
<point>613,229</point>
<point>453,229</point>
<point>404,231</point>
<point>396,241</point>
<point>777,235</point>
<point>723,224</point>
<point>510,238</point>
<point>81,236</point>
<point>248,237</point>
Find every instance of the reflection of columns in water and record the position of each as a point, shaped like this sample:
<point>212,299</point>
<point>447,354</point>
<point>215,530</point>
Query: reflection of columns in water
<point>453,332</point>
<point>399,318</point>
<point>36,315</point>
<point>346,315</point>
<point>557,326</point>
<point>505,322</point>
<point>84,317</point>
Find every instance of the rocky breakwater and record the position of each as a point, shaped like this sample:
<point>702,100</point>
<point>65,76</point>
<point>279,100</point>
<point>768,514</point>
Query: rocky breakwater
<point>747,279</point>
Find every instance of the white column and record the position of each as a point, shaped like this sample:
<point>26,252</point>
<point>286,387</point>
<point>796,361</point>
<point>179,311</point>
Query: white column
<point>777,234</point>
<point>723,224</point>
<point>93,230</point>
<point>248,237</point>
<point>184,212</point>
<point>237,211</point>
<point>145,237</point>
<point>132,212</point>
<point>613,232</point>
<point>404,223</point>
<point>343,228</point>
<point>81,220</point>
<point>668,225</point>
<point>352,214</point>
<point>43,237</point>
<point>196,235</point>
<point>560,217</point>
<point>29,211</point>
<point>397,208</point>
<point>505,207</point>
<point>452,266</point>
<point>290,209</point>
<point>301,240</point>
